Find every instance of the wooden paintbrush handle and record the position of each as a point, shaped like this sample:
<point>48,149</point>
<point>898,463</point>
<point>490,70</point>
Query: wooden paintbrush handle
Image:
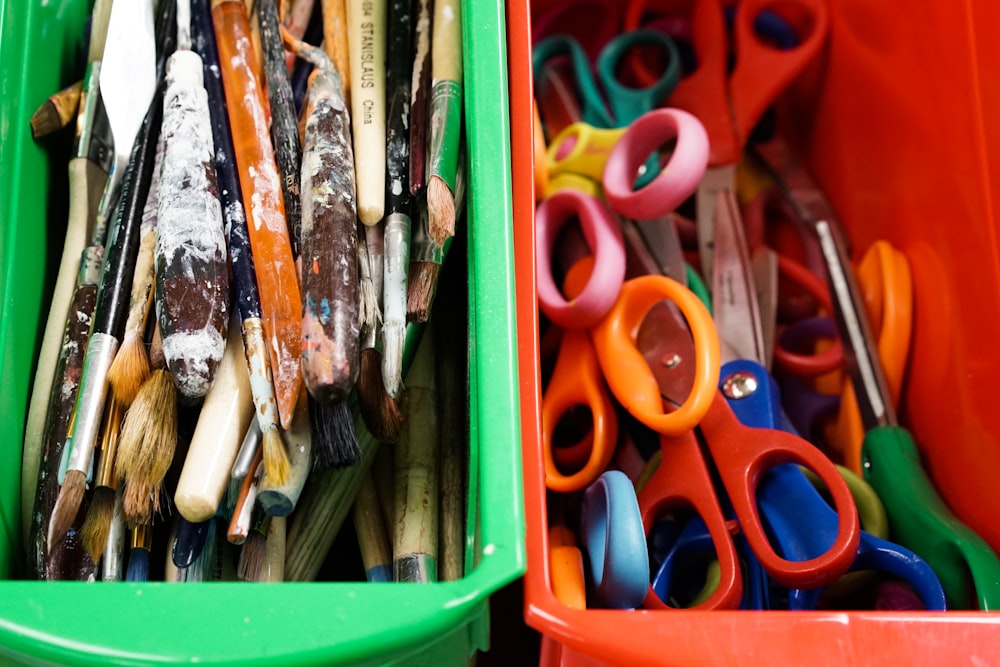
<point>366,30</point>
<point>335,40</point>
<point>284,126</point>
<point>330,333</point>
<point>273,569</point>
<point>45,487</point>
<point>86,182</point>
<point>372,537</point>
<point>223,421</point>
<point>192,285</point>
<point>420,91</point>
<point>280,298</point>
<point>415,547</point>
<point>446,91</point>
<point>280,500</point>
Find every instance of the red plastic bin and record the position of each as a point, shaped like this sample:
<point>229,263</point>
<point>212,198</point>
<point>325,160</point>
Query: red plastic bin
<point>896,126</point>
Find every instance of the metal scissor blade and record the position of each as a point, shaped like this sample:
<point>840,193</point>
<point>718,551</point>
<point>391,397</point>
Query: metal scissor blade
<point>734,294</point>
<point>664,244</point>
<point>665,342</point>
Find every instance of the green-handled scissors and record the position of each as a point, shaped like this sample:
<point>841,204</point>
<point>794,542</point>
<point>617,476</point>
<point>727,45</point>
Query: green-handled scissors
<point>968,568</point>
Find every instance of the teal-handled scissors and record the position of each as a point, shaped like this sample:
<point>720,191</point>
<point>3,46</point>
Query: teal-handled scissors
<point>618,105</point>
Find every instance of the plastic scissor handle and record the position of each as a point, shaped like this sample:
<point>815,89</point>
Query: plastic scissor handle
<point>615,541</point>
<point>604,237</point>
<point>577,380</point>
<point>591,101</point>
<point>627,103</point>
<point>675,183</point>
<point>743,455</point>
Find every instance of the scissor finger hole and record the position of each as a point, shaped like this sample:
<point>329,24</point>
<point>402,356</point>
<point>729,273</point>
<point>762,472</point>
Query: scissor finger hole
<point>573,439</point>
<point>685,565</point>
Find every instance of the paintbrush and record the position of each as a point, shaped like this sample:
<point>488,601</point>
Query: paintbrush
<point>329,238</point>
<point>225,417</point>
<point>273,568</point>
<point>398,200</point>
<point>371,262</point>
<point>415,543</point>
<point>44,560</point>
<point>113,561</point>
<point>296,22</point>
<point>88,174</point>
<point>334,440</point>
<point>189,540</point>
<point>192,280</point>
<point>130,368</point>
<point>420,86</point>
<point>108,322</point>
<point>384,476</point>
<point>280,298</point>
<point>451,377</point>
<point>239,524</point>
<point>303,69</point>
<point>284,127</point>
<point>57,111</point>
<point>325,502</point>
<point>426,257</point>
<point>446,118</point>
<point>206,558</point>
<point>140,544</point>
<point>94,532</point>
<point>279,499</point>
<point>252,550</point>
<point>366,46</point>
<point>247,295</point>
<point>248,450</point>
<point>335,40</point>
<point>147,444</point>
<point>376,551</point>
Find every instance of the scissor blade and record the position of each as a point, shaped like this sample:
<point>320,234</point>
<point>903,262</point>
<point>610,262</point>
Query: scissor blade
<point>715,180</point>
<point>734,293</point>
<point>812,206</point>
<point>664,244</point>
<point>665,342</point>
<point>765,276</point>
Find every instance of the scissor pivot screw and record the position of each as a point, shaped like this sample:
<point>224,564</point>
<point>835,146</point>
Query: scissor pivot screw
<point>671,360</point>
<point>739,385</point>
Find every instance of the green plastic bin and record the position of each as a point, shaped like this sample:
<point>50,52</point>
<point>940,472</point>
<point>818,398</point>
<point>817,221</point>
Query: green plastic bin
<point>73,623</point>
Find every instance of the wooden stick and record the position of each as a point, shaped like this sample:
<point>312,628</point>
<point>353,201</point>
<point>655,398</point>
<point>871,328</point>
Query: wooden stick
<point>224,418</point>
<point>420,90</point>
<point>335,41</point>
<point>281,301</point>
<point>376,551</point>
<point>366,30</point>
<point>415,547</point>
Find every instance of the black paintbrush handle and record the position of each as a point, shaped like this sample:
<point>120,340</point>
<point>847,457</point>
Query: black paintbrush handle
<point>399,74</point>
<point>230,192</point>
<point>284,128</point>
<point>119,266</point>
<point>166,36</point>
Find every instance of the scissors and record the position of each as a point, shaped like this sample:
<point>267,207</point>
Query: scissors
<point>968,568</point>
<point>577,379</point>
<point>731,103</point>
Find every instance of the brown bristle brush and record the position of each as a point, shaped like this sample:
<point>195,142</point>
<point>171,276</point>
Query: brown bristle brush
<point>57,111</point>
<point>147,443</point>
<point>94,532</point>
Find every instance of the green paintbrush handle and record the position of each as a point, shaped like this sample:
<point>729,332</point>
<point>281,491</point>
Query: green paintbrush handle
<point>920,520</point>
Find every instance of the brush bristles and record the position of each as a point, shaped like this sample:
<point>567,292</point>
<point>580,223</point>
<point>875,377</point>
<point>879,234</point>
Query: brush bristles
<point>369,313</point>
<point>423,281</point>
<point>67,505</point>
<point>276,464</point>
<point>440,210</point>
<point>45,120</point>
<point>378,410</point>
<point>138,565</point>
<point>100,514</point>
<point>146,446</point>
<point>334,441</point>
<point>251,557</point>
<point>130,369</point>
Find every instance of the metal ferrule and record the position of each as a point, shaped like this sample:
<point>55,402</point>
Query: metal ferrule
<point>415,568</point>
<point>90,400</point>
<point>422,249</point>
<point>141,537</point>
<point>93,133</point>
<point>109,445</point>
<point>113,562</point>
<point>248,450</point>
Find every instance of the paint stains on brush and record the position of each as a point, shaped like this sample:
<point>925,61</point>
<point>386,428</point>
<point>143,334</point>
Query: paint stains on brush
<point>420,96</point>
<point>192,284</point>
<point>280,297</point>
<point>66,560</point>
<point>330,332</point>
